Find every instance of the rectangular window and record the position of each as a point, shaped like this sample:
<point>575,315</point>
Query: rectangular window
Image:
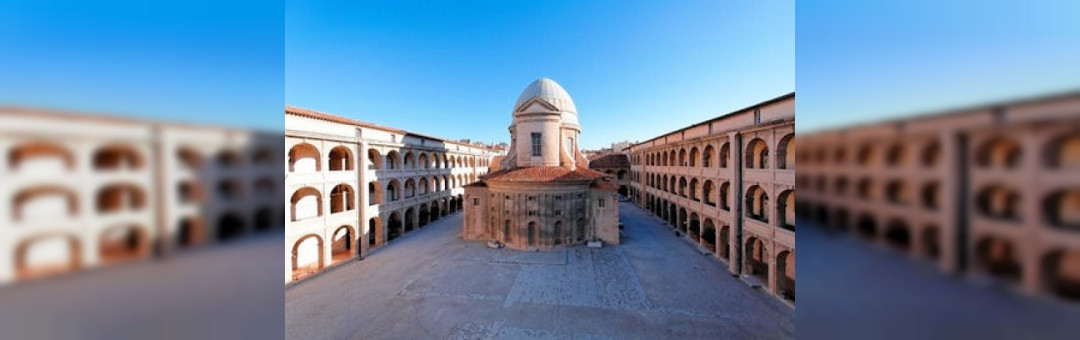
<point>757,116</point>
<point>532,213</point>
<point>558,197</point>
<point>558,212</point>
<point>475,201</point>
<point>532,198</point>
<point>536,144</point>
<point>601,202</point>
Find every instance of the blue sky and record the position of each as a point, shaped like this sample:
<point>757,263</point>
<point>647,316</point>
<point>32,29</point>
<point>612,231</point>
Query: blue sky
<point>866,61</point>
<point>453,69</point>
<point>198,61</point>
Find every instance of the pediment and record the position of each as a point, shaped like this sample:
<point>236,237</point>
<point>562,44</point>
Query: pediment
<point>536,105</point>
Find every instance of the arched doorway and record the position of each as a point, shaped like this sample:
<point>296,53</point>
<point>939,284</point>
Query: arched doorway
<point>230,226</point>
<point>757,258</point>
<point>46,255</point>
<point>395,227</point>
<point>724,248</point>
<point>708,236</point>
<point>376,234</point>
<point>898,235</point>
<point>1061,273</point>
<point>558,238</point>
<point>785,275</point>
<point>997,257</point>
<point>307,256</point>
<point>410,219</point>
<point>342,245</point>
<point>531,234</point>
<point>122,243</point>
<point>190,232</point>
<point>694,228</point>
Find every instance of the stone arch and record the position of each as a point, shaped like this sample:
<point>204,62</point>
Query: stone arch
<point>422,186</point>
<point>695,194</point>
<point>866,155</point>
<point>931,195</point>
<point>757,154</point>
<point>375,193</point>
<point>305,203</point>
<point>694,228</point>
<point>393,190</point>
<point>264,218</point>
<point>931,154</point>
<point>694,156</point>
<point>44,202</point>
<point>867,227</point>
<point>1061,273</point>
<point>376,234</point>
<point>342,244</point>
<point>410,219</point>
<point>263,156</point>
<point>40,157</point>
<point>410,188</point>
<point>997,257</point>
<point>1061,209</point>
<point>304,157</point>
<point>707,156</point>
<point>785,275</point>
<point>866,189</point>
<point>423,161</point>
<point>999,152</point>
<point>395,227</point>
<point>1063,152</point>
<point>393,160</point>
<point>341,159</point>
<point>725,194</point>
<point>410,160</point>
<point>757,203</point>
<point>436,212</point>
<point>785,152</point>
<point>708,235</point>
<point>682,221</point>
<point>122,243</point>
<point>189,159</point>
<point>757,259</point>
<point>47,255</point>
<point>725,155</point>
<point>506,232</point>
<point>930,237</point>
<point>682,186</point>
<point>896,192</point>
<point>840,185</point>
<point>228,159</point>
<point>190,232</point>
<point>119,197</point>
<point>424,216</point>
<point>896,155</point>
<point>724,246</point>
<point>342,198</point>
<point>898,234</point>
<point>530,234</point>
<point>998,202</point>
<point>117,157</point>
<point>307,256</point>
<point>707,193</point>
<point>785,209</point>
<point>621,175</point>
<point>230,226</point>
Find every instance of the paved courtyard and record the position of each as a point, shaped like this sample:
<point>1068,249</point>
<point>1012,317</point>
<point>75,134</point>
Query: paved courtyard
<point>432,284</point>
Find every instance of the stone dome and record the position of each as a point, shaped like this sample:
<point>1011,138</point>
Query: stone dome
<point>549,91</point>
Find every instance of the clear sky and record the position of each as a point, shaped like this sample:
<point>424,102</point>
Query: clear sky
<point>201,61</point>
<point>453,69</point>
<point>865,61</point>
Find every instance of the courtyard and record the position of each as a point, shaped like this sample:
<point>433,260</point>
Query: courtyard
<point>432,284</point>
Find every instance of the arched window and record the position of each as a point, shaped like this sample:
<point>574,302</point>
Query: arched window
<point>341,159</point>
<point>931,154</point>
<point>374,193</point>
<point>694,156</point>
<point>694,190</point>
<point>897,192</point>
<point>725,190</point>
<point>374,160</point>
<point>306,203</point>
<point>119,197</point>
<point>707,192</point>
<point>342,198</point>
<point>1064,152</point>
<point>44,203</point>
<point>410,188</point>
<point>393,160</point>
<point>304,158</point>
<point>40,158</point>
<point>757,154</point>
<point>999,202</point>
<point>785,153</point>
<point>999,153</point>
<point>1062,209</point>
<point>117,157</point>
<point>896,156</point>
<point>725,155</point>
<point>707,156</point>
<point>785,209</point>
<point>757,203</point>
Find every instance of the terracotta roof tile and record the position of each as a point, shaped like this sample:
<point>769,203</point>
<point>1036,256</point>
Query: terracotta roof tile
<point>617,160</point>
<point>543,174</point>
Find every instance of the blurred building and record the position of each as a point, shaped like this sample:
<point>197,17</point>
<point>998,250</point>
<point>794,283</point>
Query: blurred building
<point>84,191</point>
<point>544,194</point>
<point>616,165</point>
<point>991,192</point>
<point>353,186</point>
<point>728,184</point>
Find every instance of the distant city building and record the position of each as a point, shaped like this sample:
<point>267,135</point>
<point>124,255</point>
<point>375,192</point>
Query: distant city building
<point>543,194</point>
<point>728,184</point>
<point>83,191</point>
<point>410,180</point>
<point>616,165</point>
<point>990,192</point>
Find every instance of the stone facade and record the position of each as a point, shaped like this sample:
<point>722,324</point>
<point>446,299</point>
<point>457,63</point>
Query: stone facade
<point>616,165</point>
<point>728,184</point>
<point>352,186</point>
<point>990,191</point>
<point>82,191</point>
<point>543,195</point>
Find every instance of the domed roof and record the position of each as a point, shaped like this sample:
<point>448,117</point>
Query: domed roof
<point>549,91</point>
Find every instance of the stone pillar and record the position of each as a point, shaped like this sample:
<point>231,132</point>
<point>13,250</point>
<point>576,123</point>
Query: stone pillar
<point>771,260</point>
<point>735,194</point>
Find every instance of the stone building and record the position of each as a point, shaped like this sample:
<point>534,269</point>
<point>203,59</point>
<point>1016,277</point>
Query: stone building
<point>82,190</point>
<point>616,165</point>
<point>991,192</point>
<point>544,194</point>
<point>728,185</point>
<point>353,186</point>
